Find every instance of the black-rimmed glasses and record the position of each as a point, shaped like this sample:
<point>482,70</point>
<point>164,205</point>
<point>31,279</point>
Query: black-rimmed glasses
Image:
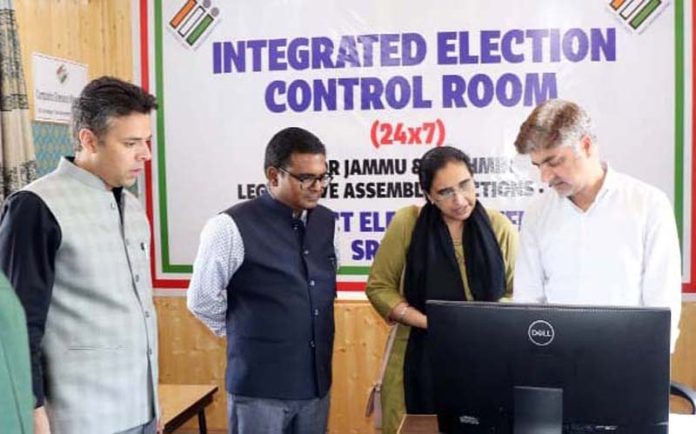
<point>307,181</point>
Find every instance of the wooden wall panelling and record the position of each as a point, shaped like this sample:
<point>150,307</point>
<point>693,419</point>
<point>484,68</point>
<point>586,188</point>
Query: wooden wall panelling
<point>358,348</point>
<point>190,354</point>
<point>93,32</point>
<point>118,33</point>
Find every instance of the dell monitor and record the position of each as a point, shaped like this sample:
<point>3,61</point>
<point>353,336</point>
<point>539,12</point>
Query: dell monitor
<point>518,369</point>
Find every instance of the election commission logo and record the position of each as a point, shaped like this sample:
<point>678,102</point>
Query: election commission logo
<point>637,14</point>
<point>193,21</point>
<point>541,333</point>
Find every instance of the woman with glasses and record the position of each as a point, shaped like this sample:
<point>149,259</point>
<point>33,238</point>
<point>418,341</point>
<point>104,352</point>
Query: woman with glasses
<point>452,248</point>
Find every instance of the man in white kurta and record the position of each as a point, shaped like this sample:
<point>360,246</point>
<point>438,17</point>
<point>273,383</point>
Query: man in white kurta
<point>596,236</point>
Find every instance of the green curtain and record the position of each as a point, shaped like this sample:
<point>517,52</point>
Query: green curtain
<point>17,156</point>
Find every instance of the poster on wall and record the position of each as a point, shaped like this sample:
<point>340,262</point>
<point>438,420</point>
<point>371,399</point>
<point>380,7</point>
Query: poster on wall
<point>57,82</point>
<point>383,82</point>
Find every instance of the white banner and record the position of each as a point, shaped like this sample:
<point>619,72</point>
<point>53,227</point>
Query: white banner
<point>381,83</point>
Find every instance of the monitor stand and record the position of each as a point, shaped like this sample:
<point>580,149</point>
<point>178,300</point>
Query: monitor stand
<point>538,410</point>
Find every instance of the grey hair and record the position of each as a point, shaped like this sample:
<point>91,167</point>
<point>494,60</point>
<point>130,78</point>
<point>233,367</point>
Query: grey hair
<point>554,123</point>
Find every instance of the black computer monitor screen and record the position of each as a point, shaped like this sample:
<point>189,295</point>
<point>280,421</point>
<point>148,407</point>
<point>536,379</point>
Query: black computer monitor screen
<point>505,367</point>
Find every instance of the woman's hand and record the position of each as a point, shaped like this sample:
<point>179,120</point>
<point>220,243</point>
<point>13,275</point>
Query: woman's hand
<point>406,314</point>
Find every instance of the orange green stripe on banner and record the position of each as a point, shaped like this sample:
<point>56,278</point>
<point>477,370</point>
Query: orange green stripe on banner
<point>616,4</point>
<point>179,17</point>
<point>630,8</point>
<point>191,20</point>
<point>200,29</point>
<point>645,13</point>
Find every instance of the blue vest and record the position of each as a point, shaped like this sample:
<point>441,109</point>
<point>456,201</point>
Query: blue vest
<point>280,321</point>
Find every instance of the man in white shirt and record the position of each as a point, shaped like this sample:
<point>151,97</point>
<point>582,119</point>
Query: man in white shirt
<point>600,237</point>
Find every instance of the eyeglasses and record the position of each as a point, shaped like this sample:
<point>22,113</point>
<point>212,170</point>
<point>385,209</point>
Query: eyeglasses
<point>308,181</point>
<point>448,194</point>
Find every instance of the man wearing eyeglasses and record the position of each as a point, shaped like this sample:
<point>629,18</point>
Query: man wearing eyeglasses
<point>600,237</point>
<point>265,277</point>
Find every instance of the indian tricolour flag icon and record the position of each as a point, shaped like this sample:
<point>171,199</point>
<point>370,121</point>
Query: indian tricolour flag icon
<point>193,21</point>
<point>637,14</point>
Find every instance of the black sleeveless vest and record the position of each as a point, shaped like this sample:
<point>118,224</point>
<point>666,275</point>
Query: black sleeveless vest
<point>280,321</point>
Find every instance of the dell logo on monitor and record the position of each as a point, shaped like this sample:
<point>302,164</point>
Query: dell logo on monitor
<point>540,333</point>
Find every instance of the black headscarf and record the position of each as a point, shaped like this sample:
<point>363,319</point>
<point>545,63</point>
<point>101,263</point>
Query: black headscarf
<point>432,273</point>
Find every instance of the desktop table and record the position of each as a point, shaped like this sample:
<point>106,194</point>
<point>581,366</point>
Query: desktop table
<point>181,402</point>
<point>427,424</point>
